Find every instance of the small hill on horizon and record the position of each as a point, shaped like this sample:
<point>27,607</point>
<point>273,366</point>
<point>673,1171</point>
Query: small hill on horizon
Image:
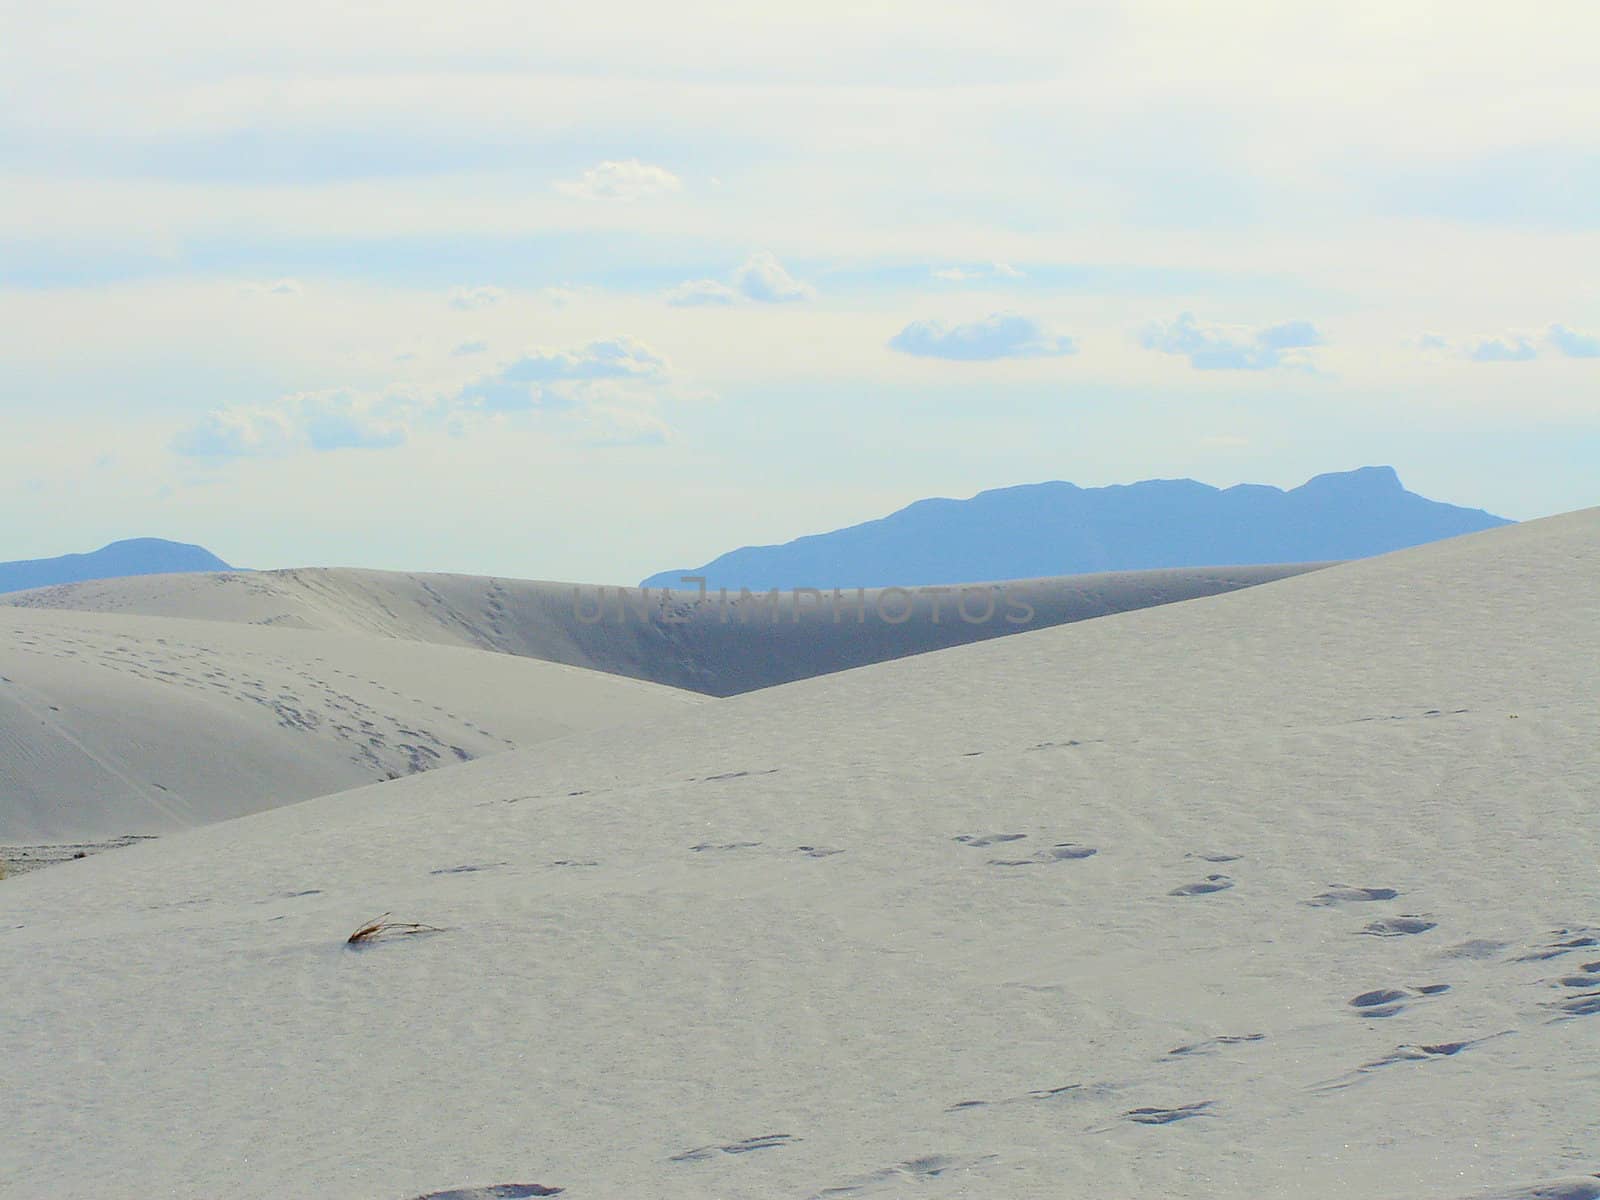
<point>133,556</point>
<point>1051,529</point>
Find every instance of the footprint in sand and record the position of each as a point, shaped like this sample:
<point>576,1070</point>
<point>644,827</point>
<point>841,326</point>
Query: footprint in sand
<point>1432,1052</point>
<point>1398,926</point>
<point>1389,1002</point>
<point>1212,1045</point>
<point>917,1170</point>
<point>1168,1116</point>
<point>1066,1092</point>
<point>977,840</point>
<point>1478,948</point>
<point>1342,894</point>
<point>768,1141</point>
<point>1211,883</point>
<point>1563,942</point>
<point>1587,1005</point>
<point>495,1191</point>
<point>1061,852</point>
<point>1585,982</point>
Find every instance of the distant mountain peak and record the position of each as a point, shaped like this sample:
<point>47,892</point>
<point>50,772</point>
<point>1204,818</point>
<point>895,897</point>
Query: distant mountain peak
<point>1365,479</point>
<point>131,556</point>
<point>1057,528</point>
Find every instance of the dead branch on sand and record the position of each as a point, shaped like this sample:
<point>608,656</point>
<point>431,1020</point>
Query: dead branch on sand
<point>383,927</point>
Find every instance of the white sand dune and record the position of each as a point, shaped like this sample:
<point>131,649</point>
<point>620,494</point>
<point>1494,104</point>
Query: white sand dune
<point>719,645</point>
<point>115,725</point>
<point>1288,893</point>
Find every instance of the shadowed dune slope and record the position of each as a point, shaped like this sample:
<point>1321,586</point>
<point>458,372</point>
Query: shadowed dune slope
<point>1288,894</point>
<point>716,645</point>
<point>116,724</point>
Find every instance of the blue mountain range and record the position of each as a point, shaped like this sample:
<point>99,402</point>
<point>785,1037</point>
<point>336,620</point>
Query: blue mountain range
<point>1060,529</point>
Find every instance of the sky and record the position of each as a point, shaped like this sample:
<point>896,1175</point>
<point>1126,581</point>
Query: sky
<point>588,291</point>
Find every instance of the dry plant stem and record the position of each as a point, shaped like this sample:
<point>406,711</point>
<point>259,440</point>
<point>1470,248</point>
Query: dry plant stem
<point>380,926</point>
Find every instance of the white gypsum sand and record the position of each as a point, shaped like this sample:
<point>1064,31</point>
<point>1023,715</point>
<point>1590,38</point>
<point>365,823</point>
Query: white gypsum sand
<point>846,937</point>
<point>114,724</point>
<point>720,644</point>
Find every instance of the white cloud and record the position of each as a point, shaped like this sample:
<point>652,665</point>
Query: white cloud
<point>468,348</point>
<point>606,392</point>
<point>1507,348</point>
<point>1231,347</point>
<point>761,278</point>
<point>467,299</point>
<point>992,271</point>
<point>627,180</point>
<point>1572,343</point>
<point>318,421</point>
<point>1522,347</point>
<point>1433,341</point>
<point>559,379</point>
<point>697,293</point>
<point>1000,335</point>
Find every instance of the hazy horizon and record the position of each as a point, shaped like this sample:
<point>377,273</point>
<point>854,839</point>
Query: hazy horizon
<point>122,555</point>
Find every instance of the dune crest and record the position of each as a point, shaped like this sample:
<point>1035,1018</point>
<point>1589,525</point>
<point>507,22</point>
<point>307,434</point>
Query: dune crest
<point>719,644</point>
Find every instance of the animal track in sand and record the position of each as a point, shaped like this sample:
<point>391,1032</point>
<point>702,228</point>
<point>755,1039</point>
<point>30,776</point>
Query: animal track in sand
<point>768,1141</point>
<point>466,868</point>
<point>1398,926</point>
<point>818,851</point>
<point>1214,857</point>
<point>1211,883</point>
<point>725,846</point>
